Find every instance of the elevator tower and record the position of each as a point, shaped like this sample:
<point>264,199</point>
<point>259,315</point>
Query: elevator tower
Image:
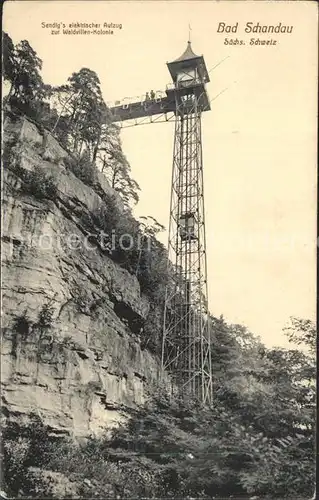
<point>186,346</point>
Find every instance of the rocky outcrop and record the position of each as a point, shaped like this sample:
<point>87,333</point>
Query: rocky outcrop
<point>71,316</point>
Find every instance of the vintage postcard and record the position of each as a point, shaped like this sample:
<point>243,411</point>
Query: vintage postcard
<point>158,249</point>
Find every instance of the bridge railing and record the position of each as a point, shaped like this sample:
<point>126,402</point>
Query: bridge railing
<point>159,95</point>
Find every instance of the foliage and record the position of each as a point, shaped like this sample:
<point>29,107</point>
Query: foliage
<point>8,57</point>
<point>24,446</point>
<point>74,112</point>
<point>82,168</point>
<point>45,317</point>
<point>152,270</point>
<point>27,82</point>
<point>113,163</point>
<point>150,226</point>
<point>22,69</point>
<point>80,297</point>
<point>258,441</point>
<point>21,324</point>
<point>142,255</point>
<point>39,184</point>
<point>87,123</point>
<point>302,332</point>
<point>11,153</point>
<point>241,444</point>
<point>151,338</point>
<point>80,102</point>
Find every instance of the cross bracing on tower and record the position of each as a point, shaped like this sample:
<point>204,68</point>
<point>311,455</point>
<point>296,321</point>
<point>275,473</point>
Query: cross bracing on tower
<point>186,345</point>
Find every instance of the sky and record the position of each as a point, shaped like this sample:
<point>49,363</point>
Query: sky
<point>259,139</point>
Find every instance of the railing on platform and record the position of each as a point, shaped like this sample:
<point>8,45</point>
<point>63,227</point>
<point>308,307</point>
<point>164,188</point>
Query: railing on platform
<point>184,84</point>
<point>159,95</point>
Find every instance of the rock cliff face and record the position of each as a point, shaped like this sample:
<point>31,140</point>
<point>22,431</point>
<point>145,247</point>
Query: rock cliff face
<point>70,315</point>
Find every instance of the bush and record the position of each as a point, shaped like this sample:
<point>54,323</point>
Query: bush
<point>151,336</point>
<point>9,154</point>
<point>94,471</point>
<point>106,216</point>
<point>38,184</point>
<point>81,297</point>
<point>33,108</point>
<point>24,446</point>
<point>45,317</point>
<point>152,270</point>
<point>82,168</point>
<point>21,325</point>
<point>172,447</point>
<point>145,257</point>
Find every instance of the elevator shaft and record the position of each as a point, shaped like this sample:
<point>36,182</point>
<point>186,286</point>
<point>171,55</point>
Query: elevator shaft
<point>186,350</point>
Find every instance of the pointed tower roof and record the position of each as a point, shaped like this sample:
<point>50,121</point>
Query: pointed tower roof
<point>186,61</point>
<point>187,54</point>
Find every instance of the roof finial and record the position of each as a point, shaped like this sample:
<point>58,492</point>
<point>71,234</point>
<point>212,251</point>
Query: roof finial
<point>189,33</point>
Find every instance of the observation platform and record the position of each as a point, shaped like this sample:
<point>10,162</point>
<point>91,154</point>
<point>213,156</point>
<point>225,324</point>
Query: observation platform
<point>132,108</point>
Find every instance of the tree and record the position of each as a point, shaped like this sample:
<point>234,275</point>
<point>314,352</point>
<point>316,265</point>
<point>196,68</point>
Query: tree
<point>27,91</point>
<point>150,226</point>
<point>82,111</point>
<point>263,445</point>
<point>80,104</point>
<point>8,60</point>
<point>123,183</point>
<point>27,84</point>
<point>78,117</point>
<point>302,332</point>
<point>115,166</point>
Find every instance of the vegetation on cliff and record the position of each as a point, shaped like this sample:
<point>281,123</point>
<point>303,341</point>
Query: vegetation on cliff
<point>257,439</point>
<point>76,114</point>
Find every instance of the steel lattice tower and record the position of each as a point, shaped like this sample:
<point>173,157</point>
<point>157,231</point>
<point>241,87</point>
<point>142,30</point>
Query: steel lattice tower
<point>186,349</point>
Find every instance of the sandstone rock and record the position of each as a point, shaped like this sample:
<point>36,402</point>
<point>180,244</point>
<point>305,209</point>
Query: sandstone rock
<point>81,372</point>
